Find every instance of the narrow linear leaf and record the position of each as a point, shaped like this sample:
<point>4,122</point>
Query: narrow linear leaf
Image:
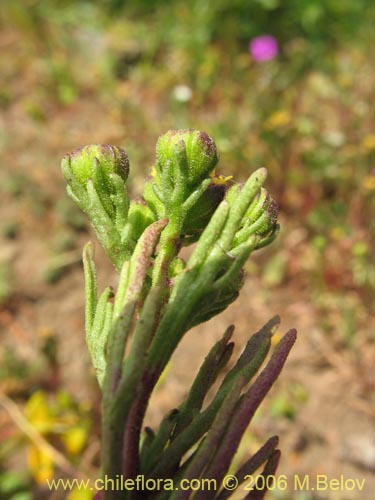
<point>134,385</point>
<point>121,379</point>
<point>131,287</point>
<point>121,384</point>
<point>251,465</point>
<point>120,202</point>
<point>160,440</point>
<point>249,404</point>
<point>121,290</point>
<point>104,226</point>
<point>268,239</point>
<point>146,444</point>
<point>259,342</point>
<point>210,235</point>
<point>256,351</point>
<point>208,446</point>
<point>241,257</point>
<point>263,485</point>
<point>195,195</point>
<point>100,360</point>
<point>90,285</point>
<point>100,316</point>
<point>205,378</point>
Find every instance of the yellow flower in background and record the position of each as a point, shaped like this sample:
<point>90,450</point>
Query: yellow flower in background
<point>75,440</point>
<point>278,119</point>
<point>40,463</point>
<point>276,337</point>
<point>80,494</point>
<point>368,142</point>
<point>369,183</point>
<point>38,413</point>
<point>60,419</point>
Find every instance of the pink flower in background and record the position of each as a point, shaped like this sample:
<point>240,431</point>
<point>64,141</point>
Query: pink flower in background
<point>263,48</point>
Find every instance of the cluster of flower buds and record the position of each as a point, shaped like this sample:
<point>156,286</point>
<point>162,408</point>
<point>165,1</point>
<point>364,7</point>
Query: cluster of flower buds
<point>183,188</point>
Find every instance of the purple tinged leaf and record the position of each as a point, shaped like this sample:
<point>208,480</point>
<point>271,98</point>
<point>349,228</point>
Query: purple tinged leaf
<point>252,351</point>
<point>159,441</point>
<point>139,265</point>
<point>211,442</point>
<point>252,464</point>
<point>254,355</point>
<point>214,361</point>
<point>262,485</point>
<point>247,407</point>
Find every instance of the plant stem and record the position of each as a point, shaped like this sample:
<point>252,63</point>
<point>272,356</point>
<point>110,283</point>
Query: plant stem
<point>170,242</point>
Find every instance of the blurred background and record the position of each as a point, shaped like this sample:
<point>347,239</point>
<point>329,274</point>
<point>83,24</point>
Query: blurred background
<point>286,84</point>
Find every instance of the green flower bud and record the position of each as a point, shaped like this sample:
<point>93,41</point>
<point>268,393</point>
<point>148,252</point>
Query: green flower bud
<point>191,151</point>
<point>260,217</point>
<point>112,159</point>
<point>106,167</point>
<point>96,177</point>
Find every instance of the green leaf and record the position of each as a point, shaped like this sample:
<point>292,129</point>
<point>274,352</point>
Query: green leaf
<point>90,285</point>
